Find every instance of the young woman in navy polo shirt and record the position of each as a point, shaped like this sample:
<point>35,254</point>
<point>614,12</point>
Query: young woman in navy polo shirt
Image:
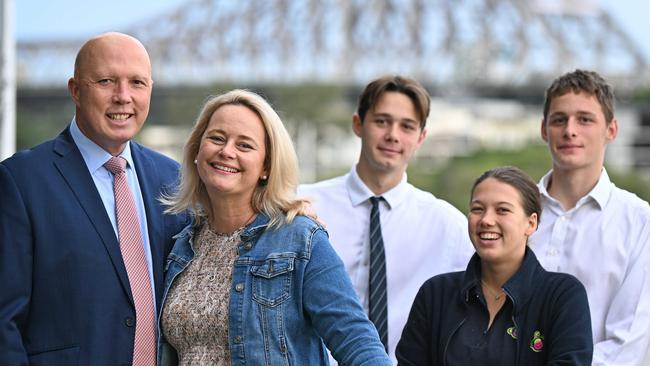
<point>504,309</point>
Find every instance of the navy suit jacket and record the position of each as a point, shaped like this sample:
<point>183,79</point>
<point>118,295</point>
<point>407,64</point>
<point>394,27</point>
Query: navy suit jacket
<point>64,295</point>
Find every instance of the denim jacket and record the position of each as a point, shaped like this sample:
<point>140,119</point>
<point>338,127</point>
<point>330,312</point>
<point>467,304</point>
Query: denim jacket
<point>289,294</point>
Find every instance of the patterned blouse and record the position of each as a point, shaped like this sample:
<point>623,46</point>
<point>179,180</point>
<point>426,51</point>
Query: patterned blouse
<point>195,316</point>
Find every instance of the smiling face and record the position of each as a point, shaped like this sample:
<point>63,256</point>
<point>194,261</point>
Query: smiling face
<point>498,224</point>
<point>111,90</point>
<point>232,152</point>
<point>577,133</point>
<point>390,133</point>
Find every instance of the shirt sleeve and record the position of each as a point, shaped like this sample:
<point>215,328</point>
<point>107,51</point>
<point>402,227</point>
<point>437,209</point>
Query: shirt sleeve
<point>15,270</point>
<point>627,324</point>
<point>334,308</point>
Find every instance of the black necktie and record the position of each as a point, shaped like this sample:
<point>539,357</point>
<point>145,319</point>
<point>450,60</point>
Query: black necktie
<point>377,302</point>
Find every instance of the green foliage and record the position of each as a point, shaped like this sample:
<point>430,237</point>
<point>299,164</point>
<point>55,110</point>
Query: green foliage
<point>40,118</point>
<point>308,102</point>
<point>641,95</point>
<point>43,113</point>
<point>632,181</point>
<point>453,180</point>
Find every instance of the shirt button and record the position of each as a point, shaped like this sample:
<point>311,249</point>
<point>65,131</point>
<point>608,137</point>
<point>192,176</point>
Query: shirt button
<point>248,246</point>
<point>237,339</point>
<point>552,252</point>
<point>239,287</point>
<point>563,218</point>
<point>129,322</point>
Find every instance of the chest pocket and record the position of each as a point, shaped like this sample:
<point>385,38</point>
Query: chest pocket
<point>272,281</point>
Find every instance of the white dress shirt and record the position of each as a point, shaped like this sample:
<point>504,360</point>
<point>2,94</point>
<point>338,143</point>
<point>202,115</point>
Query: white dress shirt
<point>423,236</point>
<point>605,242</point>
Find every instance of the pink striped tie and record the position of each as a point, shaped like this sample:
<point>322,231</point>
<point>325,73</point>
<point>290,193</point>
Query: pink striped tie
<point>132,248</point>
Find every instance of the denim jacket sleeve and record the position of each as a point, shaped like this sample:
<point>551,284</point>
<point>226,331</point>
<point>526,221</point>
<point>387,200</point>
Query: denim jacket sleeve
<point>334,308</point>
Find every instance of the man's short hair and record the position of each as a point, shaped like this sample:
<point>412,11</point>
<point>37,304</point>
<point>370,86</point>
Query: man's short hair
<point>582,81</point>
<point>407,86</point>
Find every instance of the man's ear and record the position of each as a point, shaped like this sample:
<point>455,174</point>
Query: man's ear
<point>73,88</point>
<point>543,130</point>
<point>423,135</point>
<point>357,125</point>
<point>612,130</point>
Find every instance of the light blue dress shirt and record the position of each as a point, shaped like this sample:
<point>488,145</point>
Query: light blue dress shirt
<point>95,157</point>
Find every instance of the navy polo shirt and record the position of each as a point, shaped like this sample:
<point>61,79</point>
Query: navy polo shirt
<point>474,344</point>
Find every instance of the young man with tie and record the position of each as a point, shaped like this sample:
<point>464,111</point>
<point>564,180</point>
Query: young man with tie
<point>391,235</point>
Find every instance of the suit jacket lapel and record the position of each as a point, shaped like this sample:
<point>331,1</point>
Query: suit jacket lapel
<point>149,186</point>
<point>74,171</point>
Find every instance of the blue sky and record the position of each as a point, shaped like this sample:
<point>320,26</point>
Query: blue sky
<point>51,19</point>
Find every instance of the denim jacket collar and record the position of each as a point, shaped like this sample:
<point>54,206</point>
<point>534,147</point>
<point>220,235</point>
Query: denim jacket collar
<point>256,227</point>
<point>519,287</point>
<point>188,231</point>
<point>253,229</point>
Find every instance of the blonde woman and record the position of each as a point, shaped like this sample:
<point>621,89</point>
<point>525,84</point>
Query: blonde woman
<point>251,281</point>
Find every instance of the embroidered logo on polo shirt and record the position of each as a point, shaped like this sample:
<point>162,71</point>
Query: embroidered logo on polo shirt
<point>537,343</point>
<point>512,331</point>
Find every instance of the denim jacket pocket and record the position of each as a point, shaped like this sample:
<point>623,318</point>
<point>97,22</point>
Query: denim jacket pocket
<point>272,280</point>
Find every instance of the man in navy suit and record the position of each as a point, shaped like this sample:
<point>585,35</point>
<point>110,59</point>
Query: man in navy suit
<point>65,297</point>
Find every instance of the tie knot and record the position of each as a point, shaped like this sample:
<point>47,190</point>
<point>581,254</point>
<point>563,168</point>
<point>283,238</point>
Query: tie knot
<point>115,164</point>
<point>375,201</point>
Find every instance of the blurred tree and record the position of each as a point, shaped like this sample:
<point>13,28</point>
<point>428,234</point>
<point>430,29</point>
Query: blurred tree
<point>453,180</point>
<point>43,113</point>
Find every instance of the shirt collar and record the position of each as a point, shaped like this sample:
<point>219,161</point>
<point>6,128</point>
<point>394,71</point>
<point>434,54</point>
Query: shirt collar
<point>520,287</point>
<point>603,189</point>
<point>359,191</point>
<point>600,193</point>
<point>93,154</point>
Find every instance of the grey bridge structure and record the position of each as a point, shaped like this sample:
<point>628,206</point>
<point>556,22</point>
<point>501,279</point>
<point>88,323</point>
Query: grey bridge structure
<point>455,47</point>
<point>443,42</point>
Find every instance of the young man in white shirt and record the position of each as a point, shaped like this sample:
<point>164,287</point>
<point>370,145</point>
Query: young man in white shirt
<point>423,236</point>
<point>589,227</point>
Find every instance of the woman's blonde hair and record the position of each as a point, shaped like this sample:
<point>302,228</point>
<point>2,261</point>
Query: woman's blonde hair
<point>274,196</point>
